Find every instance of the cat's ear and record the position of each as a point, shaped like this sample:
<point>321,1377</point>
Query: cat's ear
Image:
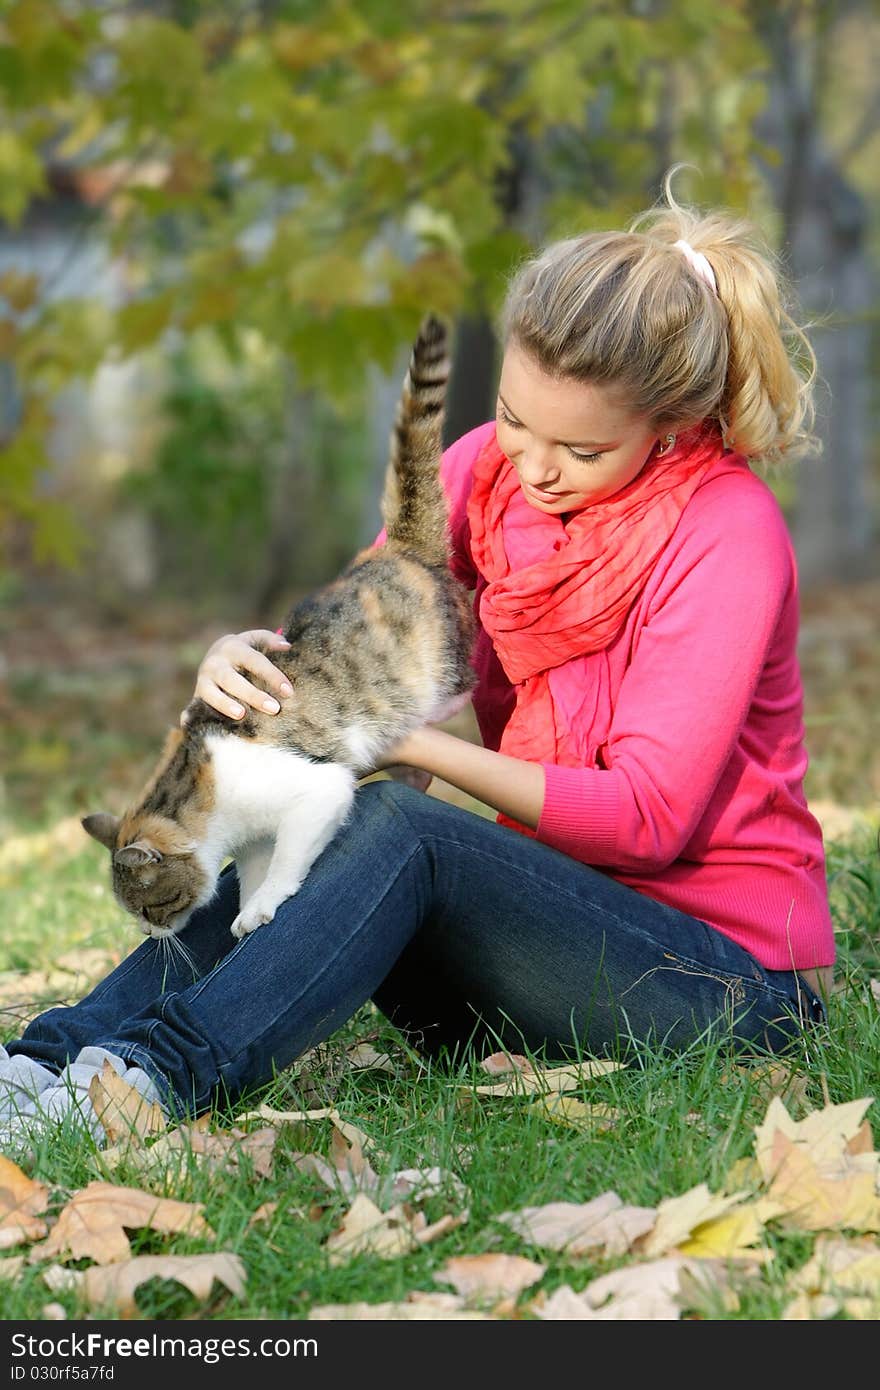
<point>102,827</point>
<point>136,855</point>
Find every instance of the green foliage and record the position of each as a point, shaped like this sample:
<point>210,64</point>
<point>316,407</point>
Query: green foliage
<point>320,174</point>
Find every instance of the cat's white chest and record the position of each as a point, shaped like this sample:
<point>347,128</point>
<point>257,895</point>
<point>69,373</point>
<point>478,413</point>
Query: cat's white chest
<point>275,811</point>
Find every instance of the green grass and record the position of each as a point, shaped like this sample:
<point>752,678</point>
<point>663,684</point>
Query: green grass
<point>683,1121</point>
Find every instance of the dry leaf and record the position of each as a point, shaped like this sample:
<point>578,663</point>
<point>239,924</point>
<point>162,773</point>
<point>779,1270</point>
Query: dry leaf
<point>284,1117</point>
<point>772,1079</point>
<point>215,1152</point>
<point>93,1223</point>
<point>490,1277</point>
<point>123,1112</point>
<point>418,1184</point>
<point>639,1292</point>
<point>263,1213</point>
<point>573,1113</point>
<point>365,1230</point>
<point>501,1062</point>
<point>678,1218</point>
<point>732,1235</point>
<point>417,1308</point>
<point>11,1267</point>
<point>842,1275</point>
<point>603,1224</point>
<point>115,1285</point>
<point>825,1133</point>
<point>546,1080</point>
<point>22,1204</point>
<point>53,1312</point>
<point>809,1200</point>
<point>364,1054</point>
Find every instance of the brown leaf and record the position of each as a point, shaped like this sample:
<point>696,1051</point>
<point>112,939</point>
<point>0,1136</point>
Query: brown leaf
<point>22,1203</point>
<point>113,1286</point>
<point>490,1277</point>
<point>418,1307</point>
<point>365,1230</point>
<point>603,1224</point>
<point>93,1223</point>
<point>216,1152</point>
<point>501,1062</point>
<point>123,1112</point>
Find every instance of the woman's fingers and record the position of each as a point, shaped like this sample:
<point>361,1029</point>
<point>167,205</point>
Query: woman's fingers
<point>223,684</point>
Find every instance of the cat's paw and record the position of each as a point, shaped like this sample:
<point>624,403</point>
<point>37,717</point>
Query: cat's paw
<point>259,909</point>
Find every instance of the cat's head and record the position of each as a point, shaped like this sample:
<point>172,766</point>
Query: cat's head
<point>155,872</point>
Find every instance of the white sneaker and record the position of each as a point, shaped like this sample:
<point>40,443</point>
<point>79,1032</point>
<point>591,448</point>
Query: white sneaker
<point>67,1097</point>
<point>22,1080</point>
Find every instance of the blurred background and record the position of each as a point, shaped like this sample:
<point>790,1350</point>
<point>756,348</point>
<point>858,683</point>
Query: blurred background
<point>220,225</point>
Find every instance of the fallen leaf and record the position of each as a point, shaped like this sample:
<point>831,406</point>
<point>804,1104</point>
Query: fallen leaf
<point>53,1312</point>
<point>732,1235</point>
<point>215,1151</point>
<point>501,1062</point>
<point>284,1117</point>
<point>772,1079</point>
<point>364,1055</point>
<point>639,1292</point>
<point>114,1286</point>
<point>93,1223</point>
<point>839,1273</point>
<point>365,1230</point>
<point>22,1204</point>
<point>603,1224</point>
<point>547,1079</point>
<point>265,1212</point>
<point>824,1133</point>
<point>679,1217</point>
<point>574,1114</point>
<point>123,1112</point>
<point>424,1308</point>
<point>11,1267</point>
<point>490,1277</point>
<point>810,1200</point>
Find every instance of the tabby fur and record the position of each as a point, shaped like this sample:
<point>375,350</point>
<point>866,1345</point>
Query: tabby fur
<point>382,650</point>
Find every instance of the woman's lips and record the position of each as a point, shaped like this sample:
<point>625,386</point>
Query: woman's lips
<point>543,494</point>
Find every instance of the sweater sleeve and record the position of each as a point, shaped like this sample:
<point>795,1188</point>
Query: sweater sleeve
<point>686,694</point>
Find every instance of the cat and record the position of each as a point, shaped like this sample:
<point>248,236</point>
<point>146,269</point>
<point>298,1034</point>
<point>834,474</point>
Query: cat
<point>381,650</point>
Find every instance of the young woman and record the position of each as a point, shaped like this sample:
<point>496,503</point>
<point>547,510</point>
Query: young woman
<point>654,873</point>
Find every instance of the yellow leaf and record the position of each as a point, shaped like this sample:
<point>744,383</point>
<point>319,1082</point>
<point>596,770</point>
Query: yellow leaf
<point>573,1113</point>
<point>603,1224</point>
<point>729,1236</point>
<point>547,1079</point>
<point>810,1200</point>
<point>679,1217</point>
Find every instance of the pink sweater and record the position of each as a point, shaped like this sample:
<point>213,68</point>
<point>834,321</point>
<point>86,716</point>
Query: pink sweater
<point>695,794</point>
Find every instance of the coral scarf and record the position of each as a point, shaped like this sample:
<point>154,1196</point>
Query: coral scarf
<point>556,592</point>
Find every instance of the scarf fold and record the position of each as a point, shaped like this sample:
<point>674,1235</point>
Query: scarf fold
<point>558,592</point>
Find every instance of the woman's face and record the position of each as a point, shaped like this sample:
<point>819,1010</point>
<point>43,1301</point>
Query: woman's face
<point>570,442</point>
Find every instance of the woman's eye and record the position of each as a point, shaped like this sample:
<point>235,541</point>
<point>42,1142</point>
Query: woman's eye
<point>584,458</point>
<point>507,420</point>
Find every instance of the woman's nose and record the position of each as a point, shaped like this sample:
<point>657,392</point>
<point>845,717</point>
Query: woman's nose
<point>536,465</point>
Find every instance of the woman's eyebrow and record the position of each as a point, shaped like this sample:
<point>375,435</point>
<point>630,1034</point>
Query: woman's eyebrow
<point>586,443</point>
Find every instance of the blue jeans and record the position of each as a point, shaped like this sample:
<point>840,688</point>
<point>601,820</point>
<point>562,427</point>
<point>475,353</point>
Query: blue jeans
<point>464,933</point>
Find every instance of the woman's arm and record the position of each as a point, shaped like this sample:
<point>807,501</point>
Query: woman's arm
<point>508,785</point>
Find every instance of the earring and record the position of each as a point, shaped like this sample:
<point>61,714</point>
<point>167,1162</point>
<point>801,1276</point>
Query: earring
<point>670,443</point>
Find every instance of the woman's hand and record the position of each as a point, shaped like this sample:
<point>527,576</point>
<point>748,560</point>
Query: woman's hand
<point>221,681</point>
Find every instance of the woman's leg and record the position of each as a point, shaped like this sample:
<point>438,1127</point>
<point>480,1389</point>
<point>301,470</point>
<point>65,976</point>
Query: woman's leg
<point>548,951</point>
<point>152,969</point>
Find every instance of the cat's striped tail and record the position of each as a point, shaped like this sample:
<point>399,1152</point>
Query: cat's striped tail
<point>414,503</point>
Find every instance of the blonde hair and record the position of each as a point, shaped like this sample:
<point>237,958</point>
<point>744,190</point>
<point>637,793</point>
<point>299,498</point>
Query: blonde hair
<point>628,310</point>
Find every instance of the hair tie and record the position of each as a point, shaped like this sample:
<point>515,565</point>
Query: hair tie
<point>699,263</point>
